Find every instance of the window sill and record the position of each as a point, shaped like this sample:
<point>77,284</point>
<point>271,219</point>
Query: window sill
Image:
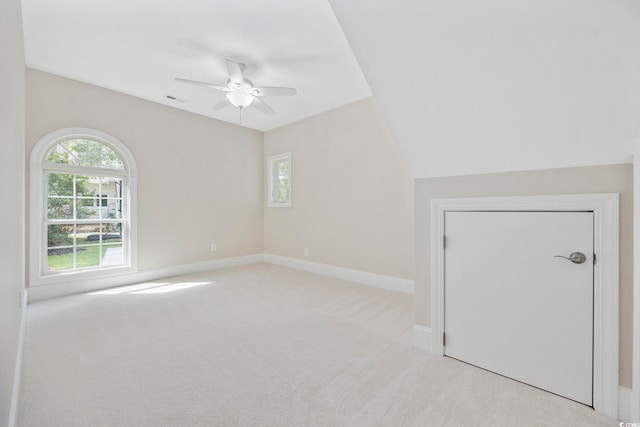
<point>73,276</point>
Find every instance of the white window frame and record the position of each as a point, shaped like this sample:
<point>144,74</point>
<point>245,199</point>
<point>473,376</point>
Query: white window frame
<point>272,161</point>
<point>37,207</point>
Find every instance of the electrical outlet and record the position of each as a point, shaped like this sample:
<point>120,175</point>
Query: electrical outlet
<point>214,247</point>
<point>306,251</point>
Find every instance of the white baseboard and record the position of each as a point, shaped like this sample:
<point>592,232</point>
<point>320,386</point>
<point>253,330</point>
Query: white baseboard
<point>17,374</point>
<point>422,337</point>
<point>44,292</point>
<point>370,279</point>
<point>624,404</point>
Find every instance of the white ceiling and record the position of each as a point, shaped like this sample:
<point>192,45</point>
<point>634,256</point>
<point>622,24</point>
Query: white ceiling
<point>138,47</point>
<point>473,86</point>
<point>466,86</point>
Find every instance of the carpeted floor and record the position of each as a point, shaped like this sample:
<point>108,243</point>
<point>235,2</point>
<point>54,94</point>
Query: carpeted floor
<point>258,345</point>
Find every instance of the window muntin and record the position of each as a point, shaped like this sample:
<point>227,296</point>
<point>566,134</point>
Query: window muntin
<point>280,180</point>
<point>76,196</point>
<point>85,213</point>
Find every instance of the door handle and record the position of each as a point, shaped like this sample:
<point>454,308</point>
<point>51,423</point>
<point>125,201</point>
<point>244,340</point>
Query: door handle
<point>575,257</point>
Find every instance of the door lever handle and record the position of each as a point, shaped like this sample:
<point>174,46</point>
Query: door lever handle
<point>575,257</point>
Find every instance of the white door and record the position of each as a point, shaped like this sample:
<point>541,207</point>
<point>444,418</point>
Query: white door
<point>512,307</point>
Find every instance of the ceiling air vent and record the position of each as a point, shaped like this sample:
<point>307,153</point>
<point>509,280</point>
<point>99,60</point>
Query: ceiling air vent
<point>173,98</point>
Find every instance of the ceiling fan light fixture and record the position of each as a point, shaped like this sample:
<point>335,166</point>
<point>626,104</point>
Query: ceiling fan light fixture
<point>240,99</point>
<point>240,91</point>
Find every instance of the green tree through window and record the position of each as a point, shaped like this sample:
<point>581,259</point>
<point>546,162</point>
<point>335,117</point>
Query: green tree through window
<point>84,215</point>
<point>279,173</point>
<point>283,181</point>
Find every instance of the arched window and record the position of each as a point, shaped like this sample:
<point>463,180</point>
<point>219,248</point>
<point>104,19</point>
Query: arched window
<point>82,206</point>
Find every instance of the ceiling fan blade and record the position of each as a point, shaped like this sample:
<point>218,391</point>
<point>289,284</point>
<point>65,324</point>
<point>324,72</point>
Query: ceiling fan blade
<point>235,73</point>
<point>273,91</point>
<point>262,106</point>
<point>210,85</point>
<point>221,104</point>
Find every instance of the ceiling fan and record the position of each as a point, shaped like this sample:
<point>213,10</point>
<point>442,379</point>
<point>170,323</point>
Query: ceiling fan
<point>241,92</point>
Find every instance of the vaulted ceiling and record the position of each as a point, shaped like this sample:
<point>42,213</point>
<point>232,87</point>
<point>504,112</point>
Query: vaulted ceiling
<point>138,47</point>
<point>473,86</point>
<point>465,86</point>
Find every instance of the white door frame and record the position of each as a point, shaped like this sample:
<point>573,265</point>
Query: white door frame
<point>605,277</point>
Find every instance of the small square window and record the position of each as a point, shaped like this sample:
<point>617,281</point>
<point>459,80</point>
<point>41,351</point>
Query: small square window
<point>279,169</point>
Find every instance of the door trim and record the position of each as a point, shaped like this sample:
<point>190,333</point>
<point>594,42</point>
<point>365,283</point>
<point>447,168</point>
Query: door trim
<point>605,275</point>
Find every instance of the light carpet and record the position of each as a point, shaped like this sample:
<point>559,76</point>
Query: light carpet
<point>258,345</point>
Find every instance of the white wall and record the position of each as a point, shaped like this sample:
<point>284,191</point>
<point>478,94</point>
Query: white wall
<point>352,204</point>
<point>473,86</point>
<point>12,171</point>
<point>199,179</point>
<point>595,179</point>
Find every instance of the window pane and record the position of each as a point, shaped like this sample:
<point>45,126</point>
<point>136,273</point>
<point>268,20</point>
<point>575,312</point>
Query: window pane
<point>111,186</point>
<point>112,189</point>
<point>91,153</point>
<point>86,230</point>
<point>59,247</point>
<point>283,181</point>
<point>113,208</point>
<point>87,186</point>
<point>112,232</point>
<point>280,180</point>
<point>59,235</point>
<point>59,208</point>
<point>59,259</point>
<point>95,204</point>
<point>88,234</point>
<point>88,208</point>
<point>109,159</point>
<point>112,254</point>
<point>88,256</point>
<point>91,234</point>
<point>59,184</point>
<point>61,154</point>
<point>84,152</point>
